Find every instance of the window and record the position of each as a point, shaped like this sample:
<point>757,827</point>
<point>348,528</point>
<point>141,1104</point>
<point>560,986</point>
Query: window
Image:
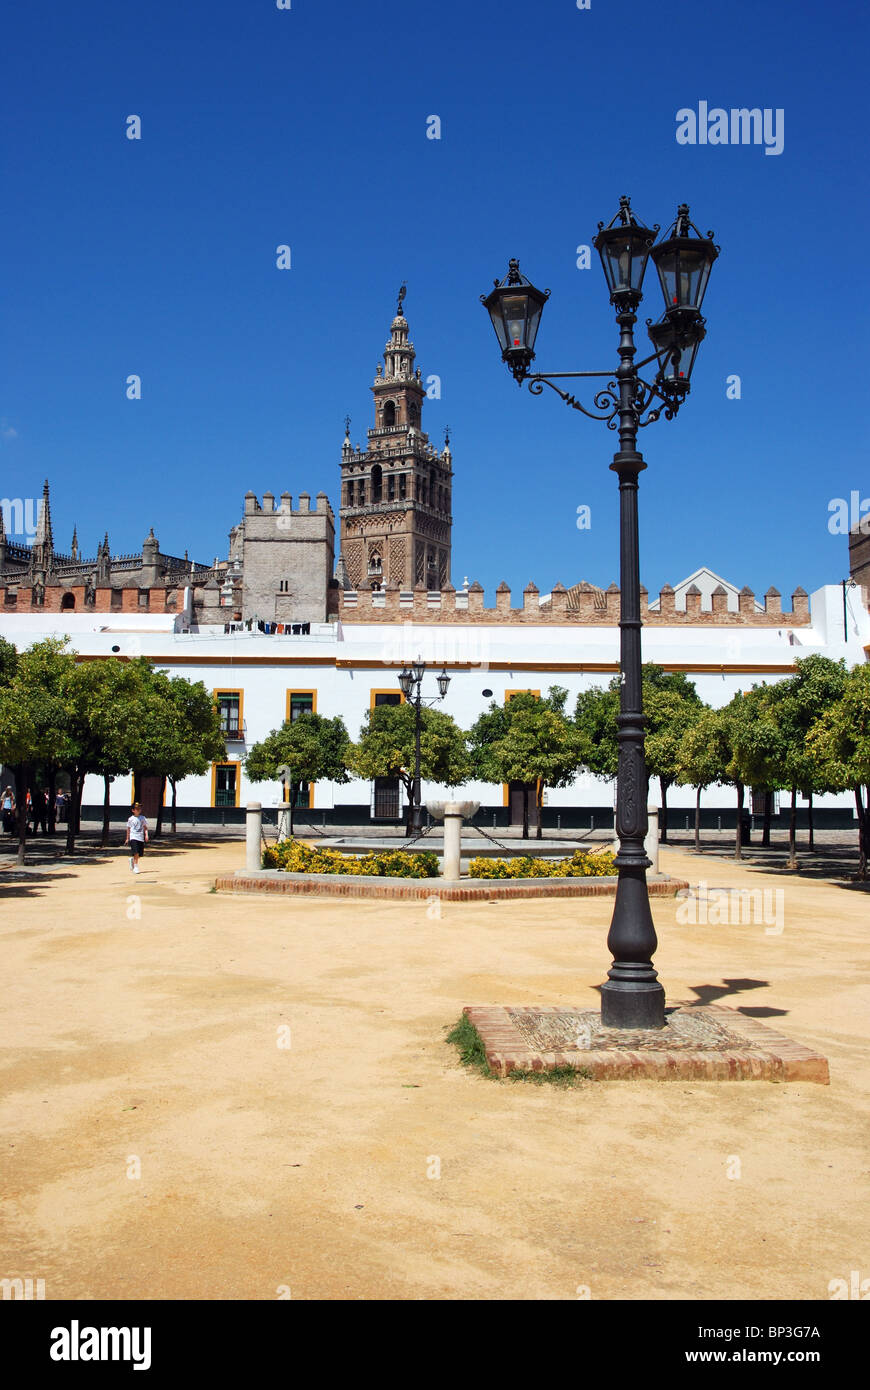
<point>225,784</point>
<point>385,697</point>
<point>144,598</point>
<point>403,486</point>
<point>386,799</point>
<point>300,702</point>
<point>391,488</point>
<point>117,599</point>
<point>68,601</point>
<point>390,414</point>
<point>229,703</point>
<point>11,598</point>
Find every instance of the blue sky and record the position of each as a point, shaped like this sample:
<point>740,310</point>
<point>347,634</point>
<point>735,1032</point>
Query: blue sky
<point>308,127</point>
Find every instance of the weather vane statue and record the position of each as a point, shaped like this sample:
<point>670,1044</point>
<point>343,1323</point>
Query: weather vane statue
<point>403,290</point>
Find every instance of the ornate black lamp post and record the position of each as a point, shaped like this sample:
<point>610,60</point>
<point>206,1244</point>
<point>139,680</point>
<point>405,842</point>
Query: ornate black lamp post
<point>632,996</point>
<point>411,680</point>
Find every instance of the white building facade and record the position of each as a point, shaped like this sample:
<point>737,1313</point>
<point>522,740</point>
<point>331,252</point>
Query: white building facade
<point>344,668</point>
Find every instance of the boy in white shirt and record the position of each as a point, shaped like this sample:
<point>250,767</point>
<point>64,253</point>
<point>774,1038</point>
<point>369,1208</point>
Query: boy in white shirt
<point>137,834</point>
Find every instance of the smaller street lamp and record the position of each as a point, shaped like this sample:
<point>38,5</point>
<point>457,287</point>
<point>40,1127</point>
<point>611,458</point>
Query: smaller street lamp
<point>676,347</point>
<point>411,679</point>
<point>515,307</point>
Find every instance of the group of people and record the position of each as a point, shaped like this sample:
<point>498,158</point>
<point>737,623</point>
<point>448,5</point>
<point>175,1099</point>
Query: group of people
<point>37,809</point>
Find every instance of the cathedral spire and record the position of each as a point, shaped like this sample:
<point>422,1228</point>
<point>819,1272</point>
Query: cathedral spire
<point>43,526</point>
<point>42,549</point>
<point>74,545</point>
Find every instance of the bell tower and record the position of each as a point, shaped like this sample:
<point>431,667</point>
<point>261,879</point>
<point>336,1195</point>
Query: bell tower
<point>396,494</point>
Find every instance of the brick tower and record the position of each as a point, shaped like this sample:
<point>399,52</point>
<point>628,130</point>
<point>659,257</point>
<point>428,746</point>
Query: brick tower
<point>395,495</point>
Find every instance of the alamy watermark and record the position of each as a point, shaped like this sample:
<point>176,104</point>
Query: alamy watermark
<point>20,515</point>
<point>849,516</point>
<point>703,906</point>
<point>741,125</point>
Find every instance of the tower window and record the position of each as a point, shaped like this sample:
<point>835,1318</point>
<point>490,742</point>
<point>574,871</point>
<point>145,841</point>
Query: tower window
<point>390,414</point>
<point>377,482</point>
<point>403,486</point>
<point>391,488</point>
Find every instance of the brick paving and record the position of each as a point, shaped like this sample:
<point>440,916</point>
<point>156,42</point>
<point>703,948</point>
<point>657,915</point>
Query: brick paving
<point>699,1043</point>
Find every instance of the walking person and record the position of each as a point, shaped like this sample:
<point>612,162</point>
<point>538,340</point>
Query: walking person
<point>137,834</point>
<point>7,805</point>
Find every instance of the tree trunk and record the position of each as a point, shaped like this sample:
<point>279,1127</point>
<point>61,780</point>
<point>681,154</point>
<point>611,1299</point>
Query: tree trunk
<point>698,821</point>
<point>21,771</point>
<point>792,831</point>
<point>75,799</point>
<point>738,843</point>
<point>158,829</point>
<point>664,783</point>
<point>863,809</point>
<point>765,829</point>
<point>540,803</point>
<point>174,785</point>
<point>525,810</point>
<point>107,782</point>
<point>294,792</point>
<point>811,839</point>
<point>137,786</point>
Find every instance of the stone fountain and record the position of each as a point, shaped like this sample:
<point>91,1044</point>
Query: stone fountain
<point>452,813</point>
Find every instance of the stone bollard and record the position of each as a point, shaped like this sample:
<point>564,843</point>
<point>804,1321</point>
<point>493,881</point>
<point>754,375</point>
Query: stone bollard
<point>284,820</point>
<point>254,835</point>
<point>451,864</point>
<point>651,843</point>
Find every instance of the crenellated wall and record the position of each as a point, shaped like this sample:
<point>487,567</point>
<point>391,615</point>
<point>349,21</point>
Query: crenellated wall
<point>584,605</point>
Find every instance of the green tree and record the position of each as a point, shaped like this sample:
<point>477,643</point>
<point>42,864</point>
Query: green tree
<point>103,703</point>
<point>197,741</point>
<point>386,747</point>
<point>703,756</point>
<point>528,739</point>
<point>839,740</point>
<point>670,705</point>
<point>312,748</point>
<point>34,713</point>
<point>770,743</point>
<point>177,732</point>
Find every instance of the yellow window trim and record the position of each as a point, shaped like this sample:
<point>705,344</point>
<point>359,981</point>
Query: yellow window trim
<point>291,693</point>
<point>229,690</point>
<point>385,690</point>
<point>226,762</point>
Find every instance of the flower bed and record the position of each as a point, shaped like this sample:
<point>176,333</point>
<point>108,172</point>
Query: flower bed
<point>581,864</point>
<point>297,858</point>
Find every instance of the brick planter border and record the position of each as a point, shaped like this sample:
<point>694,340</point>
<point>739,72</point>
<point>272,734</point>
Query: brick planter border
<point>771,1057</point>
<point>423,889</point>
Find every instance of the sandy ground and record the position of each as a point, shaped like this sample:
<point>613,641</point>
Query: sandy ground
<point>312,1168</point>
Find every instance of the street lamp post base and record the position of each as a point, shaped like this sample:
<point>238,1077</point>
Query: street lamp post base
<point>625,1005</point>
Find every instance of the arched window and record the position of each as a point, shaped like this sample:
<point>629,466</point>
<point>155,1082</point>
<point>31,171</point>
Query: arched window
<point>413,412</point>
<point>68,601</point>
<point>389,414</point>
<point>377,476</point>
